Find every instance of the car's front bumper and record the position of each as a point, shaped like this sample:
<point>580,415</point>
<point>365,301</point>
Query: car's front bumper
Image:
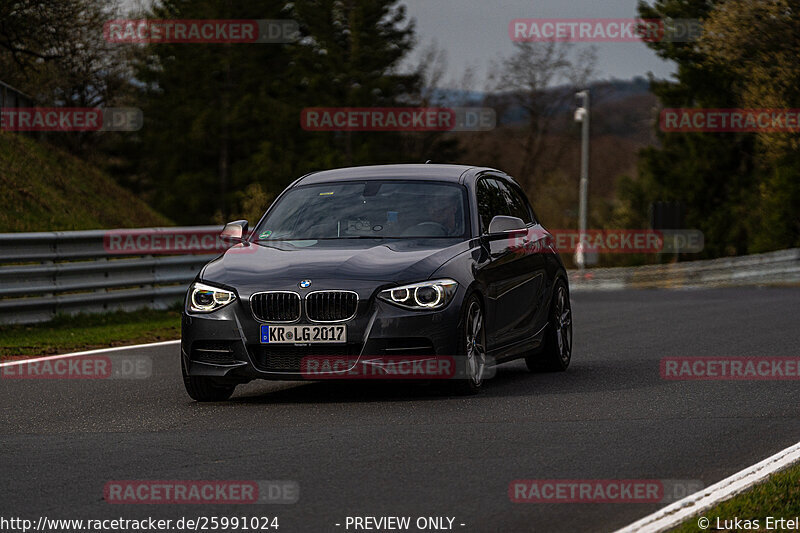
<point>226,343</point>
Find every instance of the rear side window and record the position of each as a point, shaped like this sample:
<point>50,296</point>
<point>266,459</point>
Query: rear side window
<point>491,201</point>
<point>517,205</point>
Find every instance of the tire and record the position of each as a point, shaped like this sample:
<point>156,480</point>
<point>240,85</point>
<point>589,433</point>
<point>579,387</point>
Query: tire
<point>557,351</point>
<point>472,348</point>
<point>205,389</point>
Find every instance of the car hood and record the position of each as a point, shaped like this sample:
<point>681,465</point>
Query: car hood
<point>251,265</point>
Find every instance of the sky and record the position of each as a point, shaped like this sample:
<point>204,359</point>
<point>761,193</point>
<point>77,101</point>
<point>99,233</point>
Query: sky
<point>474,33</point>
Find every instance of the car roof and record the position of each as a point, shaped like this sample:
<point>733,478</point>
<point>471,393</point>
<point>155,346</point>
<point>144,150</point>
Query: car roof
<point>434,172</point>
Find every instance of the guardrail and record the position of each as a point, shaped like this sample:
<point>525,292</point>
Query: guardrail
<point>781,267</point>
<point>11,97</point>
<point>42,274</point>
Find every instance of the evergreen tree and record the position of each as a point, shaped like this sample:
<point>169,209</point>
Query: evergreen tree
<point>221,119</point>
<point>742,200</point>
<point>216,115</point>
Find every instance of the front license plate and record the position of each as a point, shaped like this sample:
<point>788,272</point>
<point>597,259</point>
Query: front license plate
<point>273,334</point>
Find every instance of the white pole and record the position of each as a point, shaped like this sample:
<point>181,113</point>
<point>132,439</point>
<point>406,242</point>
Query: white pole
<point>582,115</point>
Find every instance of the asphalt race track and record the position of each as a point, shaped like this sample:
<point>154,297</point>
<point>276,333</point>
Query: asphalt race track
<point>368,449</point>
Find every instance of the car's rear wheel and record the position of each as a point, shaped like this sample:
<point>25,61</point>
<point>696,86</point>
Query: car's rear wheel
<point>557,351</point>
<point>205,389</point>
<point>472,356</point>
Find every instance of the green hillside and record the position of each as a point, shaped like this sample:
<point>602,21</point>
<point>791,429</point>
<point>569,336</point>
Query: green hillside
<point>43,188</point>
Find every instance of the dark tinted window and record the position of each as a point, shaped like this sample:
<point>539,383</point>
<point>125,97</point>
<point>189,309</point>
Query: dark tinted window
<point>517,205</point>
<point>491,202</point>
<point>379,209</point>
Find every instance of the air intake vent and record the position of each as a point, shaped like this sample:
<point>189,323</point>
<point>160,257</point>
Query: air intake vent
<point>275,306</point>
<point>331,306</point>
<point>215,352</point>
<point>280,358</point>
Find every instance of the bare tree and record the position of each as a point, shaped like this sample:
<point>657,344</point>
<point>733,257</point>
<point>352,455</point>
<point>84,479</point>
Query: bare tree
<point>540,78</point>
<point>65,60</point>
<point>431,68</point>
<point>36,30</point>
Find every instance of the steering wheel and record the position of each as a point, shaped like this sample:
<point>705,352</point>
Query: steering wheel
<point>427,229</point>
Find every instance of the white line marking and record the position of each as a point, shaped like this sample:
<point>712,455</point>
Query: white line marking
<point>694,504</point>
<point>89,352</point>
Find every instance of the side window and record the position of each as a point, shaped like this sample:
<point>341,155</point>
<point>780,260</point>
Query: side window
<point>528,206</point>
<point>491,202</point>
<point>517,204</point>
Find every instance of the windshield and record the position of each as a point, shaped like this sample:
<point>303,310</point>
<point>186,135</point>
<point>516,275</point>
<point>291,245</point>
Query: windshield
<point>368,209</point>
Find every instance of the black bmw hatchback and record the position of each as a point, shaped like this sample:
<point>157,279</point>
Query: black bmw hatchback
<point>380,272</point>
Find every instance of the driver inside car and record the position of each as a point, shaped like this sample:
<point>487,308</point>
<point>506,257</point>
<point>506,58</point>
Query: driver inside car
<point>443,215</point>
<point>440,219</point>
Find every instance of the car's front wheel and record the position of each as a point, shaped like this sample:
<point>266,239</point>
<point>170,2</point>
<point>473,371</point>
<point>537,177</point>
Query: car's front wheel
<point>205,389</point>
<point>557,351</point>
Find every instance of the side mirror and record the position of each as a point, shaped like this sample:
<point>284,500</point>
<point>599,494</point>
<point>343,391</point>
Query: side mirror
<point>235,230</point>
<point>504,226</point>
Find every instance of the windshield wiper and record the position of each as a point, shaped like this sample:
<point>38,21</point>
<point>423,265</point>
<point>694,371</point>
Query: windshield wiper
<point>360,237</point>
<point>330,238</point>
<point>386,237</point>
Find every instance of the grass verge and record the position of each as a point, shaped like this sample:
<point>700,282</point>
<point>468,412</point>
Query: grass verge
<point>44,188</point>
<point>73,333</point>
<point>778,497</point>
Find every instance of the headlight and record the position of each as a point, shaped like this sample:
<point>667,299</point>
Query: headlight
<point>425,295</point>
<point>205,298</point>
